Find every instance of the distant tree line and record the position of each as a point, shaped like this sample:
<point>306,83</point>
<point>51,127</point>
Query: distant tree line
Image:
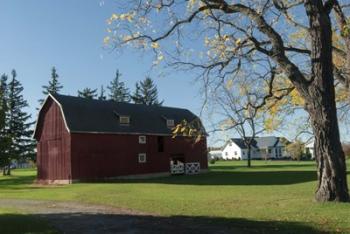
<point>145,92</point>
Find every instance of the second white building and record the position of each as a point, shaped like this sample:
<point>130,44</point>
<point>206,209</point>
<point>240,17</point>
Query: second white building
<point>261,148</point>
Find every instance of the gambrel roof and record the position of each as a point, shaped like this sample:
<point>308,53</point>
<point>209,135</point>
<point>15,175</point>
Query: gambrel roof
<point>83,115</point>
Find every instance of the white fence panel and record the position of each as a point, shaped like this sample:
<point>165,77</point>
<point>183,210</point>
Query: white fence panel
<point>192,168</point>
<point>177,169</point>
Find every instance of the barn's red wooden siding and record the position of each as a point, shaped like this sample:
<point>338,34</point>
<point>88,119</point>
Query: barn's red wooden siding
<point>53,147</point>
<point>110,155</point>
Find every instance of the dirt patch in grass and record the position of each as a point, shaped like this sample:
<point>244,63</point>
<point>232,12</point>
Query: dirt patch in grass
<point>73,217</point>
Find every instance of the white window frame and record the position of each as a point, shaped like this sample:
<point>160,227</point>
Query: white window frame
<point>170,123</point>
<point>142,139</point>
<point>144,156</point>
<point>124,118</point>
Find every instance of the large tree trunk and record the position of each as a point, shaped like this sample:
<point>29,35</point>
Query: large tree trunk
<point>331,167</point>
<point>320,103</point>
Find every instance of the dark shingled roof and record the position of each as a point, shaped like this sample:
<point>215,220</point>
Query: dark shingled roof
<point>258,142</point>
<point>240,143</point>
<point>95,116</point>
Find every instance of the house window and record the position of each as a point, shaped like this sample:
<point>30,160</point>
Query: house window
<point>142,158</point>
<point>269,150</point>
<point>142,139</point>
<point>226,153</point>
<point>124,120</point>
<point>235,152</point>
<point>160,141</point>
<point>170,123</point>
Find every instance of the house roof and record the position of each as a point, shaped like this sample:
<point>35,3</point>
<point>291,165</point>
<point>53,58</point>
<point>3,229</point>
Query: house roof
<point>95,116</point>
<point>258,142</point>
<point>241,144</point>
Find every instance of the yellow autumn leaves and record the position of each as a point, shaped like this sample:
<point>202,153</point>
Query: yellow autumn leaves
<point>189,129</point>
<point>126,16</point>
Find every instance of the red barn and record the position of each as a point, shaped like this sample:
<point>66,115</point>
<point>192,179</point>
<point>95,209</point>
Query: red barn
<point>82,139</point>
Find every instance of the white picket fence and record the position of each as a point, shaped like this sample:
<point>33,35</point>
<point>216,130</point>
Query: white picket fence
<point>187,168</point>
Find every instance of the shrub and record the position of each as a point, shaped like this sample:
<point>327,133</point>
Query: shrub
<point>212,161</point>
<point>346,149</point>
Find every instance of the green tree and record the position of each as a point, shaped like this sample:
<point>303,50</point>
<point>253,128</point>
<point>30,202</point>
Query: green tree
<point>4,139</point>
<point>295,149</point>
<point>53,86</point>
<point>88,93</point>
<point>117,90</point>
<point>253,38</point>
<point>146,93</point>
<point>18,123</point>
<point>102,95</point>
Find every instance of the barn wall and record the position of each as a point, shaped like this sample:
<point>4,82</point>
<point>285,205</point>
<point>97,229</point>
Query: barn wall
<point>53,148</point>
<point>102,155</point>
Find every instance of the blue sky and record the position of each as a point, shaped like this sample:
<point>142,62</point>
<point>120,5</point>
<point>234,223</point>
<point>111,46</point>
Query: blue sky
<point>39,34</point>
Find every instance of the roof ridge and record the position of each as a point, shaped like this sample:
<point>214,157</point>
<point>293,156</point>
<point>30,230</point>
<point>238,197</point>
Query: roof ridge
<point>106,101</point>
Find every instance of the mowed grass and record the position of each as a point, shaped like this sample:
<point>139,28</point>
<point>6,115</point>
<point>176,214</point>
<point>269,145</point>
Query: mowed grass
<point>279,193</point>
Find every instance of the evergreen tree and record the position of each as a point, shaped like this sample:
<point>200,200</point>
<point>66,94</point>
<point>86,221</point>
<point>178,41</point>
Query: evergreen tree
<point>87,93</point>
<point>102,95</point>
<point>53,87</point>
<point>117,89</point>
<point>146,93</point>
<point>137,97</point>
<point>4,139</point>
<point>18,125</point>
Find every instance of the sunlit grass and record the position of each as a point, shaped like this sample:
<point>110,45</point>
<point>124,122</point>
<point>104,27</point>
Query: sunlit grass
<point>269,191</point>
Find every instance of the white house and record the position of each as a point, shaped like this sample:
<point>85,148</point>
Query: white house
<point>309,148</point>
<point>261,148</point>
<point>214,153</point>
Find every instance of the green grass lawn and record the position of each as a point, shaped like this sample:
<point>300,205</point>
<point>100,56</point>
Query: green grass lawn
<point>272,191</point>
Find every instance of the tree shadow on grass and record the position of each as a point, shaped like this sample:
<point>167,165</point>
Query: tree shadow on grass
<point>20,223</point>
<point>235,178</point>
<point>134,223</point>
<point>262,166</point>
<point>125,223</point>
<point>22,182</point>
<point>16,180</point>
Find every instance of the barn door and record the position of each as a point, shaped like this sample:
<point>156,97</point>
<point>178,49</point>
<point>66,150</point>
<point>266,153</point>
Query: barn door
<point>54,159</point>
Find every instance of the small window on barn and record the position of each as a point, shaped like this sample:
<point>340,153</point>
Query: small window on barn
<point>235,152</point>
<point>170,123</point>
<point>142,139</point>
<point>142,158</point>
<point>124,120</point>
